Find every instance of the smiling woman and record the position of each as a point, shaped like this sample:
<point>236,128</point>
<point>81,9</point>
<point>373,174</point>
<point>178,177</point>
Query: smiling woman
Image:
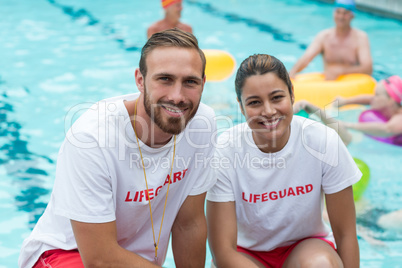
<point>266,104</point>
<point>242,219</point>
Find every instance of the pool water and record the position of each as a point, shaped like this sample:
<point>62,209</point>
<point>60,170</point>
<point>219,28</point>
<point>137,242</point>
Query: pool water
<point>58,57</point>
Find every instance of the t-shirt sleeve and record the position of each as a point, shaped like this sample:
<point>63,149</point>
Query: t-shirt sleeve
<point>202,162</point>
<point>206,181</point>
<point>339,169</point>
<point>83,189</point>
<point>223,189</point>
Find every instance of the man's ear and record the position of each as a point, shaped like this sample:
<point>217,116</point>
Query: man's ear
<point>204,79</point>
<point>139,80</point>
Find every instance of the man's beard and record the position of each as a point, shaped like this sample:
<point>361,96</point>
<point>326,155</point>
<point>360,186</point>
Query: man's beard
<point>174,125</point>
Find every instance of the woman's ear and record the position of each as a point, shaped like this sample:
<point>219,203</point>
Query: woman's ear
<point>292,96</point>
<point>241,106</point>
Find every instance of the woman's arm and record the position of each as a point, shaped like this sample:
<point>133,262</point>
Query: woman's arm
<point>342,217</point>
<point>222,237</point>
<point>327,120</point>
<point>391,128</point>
<point>363,99</point>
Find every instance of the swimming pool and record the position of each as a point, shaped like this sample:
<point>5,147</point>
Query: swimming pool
<point>59,56</point>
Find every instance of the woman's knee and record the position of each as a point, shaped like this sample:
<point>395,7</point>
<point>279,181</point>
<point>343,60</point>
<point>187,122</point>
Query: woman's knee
<point>313,253</point>
<point>321,260</point>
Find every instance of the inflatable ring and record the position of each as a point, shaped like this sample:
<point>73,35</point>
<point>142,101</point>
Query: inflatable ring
<point>314,88</point>
<point>220,64</point>
<point>361,186</point>
<point>376,116</point>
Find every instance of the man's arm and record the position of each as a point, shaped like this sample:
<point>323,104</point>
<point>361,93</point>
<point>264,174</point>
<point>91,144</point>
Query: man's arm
<point>365,60</point>
<point>315,48</point>
<point>189,233</point>
<point>98,247</point>
<point>342,216</point>
<point>222,237</point>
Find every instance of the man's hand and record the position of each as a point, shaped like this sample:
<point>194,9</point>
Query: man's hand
<point>333,72</point>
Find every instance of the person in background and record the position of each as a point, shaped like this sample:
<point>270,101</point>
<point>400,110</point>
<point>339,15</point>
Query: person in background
<point>265,209</point>
<point>387,101</point>
<point>344,49</point>
<point>127,177</point>
<point>172,9</point>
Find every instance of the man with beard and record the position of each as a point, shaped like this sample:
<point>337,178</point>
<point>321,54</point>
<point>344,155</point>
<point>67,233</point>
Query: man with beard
<point>344,49</point>
<point>172,9</point>
<point>134,170</point>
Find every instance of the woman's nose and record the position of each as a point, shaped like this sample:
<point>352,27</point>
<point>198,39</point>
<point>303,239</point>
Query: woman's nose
<point>268,109</point>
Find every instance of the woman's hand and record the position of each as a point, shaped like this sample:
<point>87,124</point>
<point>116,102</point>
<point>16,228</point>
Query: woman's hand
<point>339,102</point>
<point>299,105</point>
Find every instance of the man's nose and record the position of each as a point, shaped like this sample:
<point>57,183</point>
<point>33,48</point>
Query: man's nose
<point>175,93</point>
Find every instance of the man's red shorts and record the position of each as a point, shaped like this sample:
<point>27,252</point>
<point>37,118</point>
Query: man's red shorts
<point>277,257</point>
<point>58,258</point>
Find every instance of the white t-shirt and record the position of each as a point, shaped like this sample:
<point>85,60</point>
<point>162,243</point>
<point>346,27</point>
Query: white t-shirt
<point>279,196</point>
<point>99,178</point>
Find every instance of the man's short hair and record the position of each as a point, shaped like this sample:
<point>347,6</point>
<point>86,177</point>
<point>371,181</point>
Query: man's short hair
<point>170,38</point>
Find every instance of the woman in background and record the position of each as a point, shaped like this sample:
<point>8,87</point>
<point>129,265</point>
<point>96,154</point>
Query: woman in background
<point>386,102</point>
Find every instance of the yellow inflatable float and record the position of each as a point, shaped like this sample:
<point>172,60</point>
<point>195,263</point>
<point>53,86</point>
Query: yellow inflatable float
<point>314,88</point>
<point>220,64</point>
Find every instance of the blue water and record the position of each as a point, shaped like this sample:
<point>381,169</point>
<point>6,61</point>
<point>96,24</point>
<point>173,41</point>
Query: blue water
<point>58,57</point>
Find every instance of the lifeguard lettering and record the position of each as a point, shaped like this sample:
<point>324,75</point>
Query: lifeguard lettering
<point>144,195</point>
<point>274,195</point>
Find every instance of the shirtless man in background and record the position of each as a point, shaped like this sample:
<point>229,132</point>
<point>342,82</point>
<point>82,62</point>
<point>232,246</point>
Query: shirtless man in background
<point>172,9</point>
<point>344,49</point>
